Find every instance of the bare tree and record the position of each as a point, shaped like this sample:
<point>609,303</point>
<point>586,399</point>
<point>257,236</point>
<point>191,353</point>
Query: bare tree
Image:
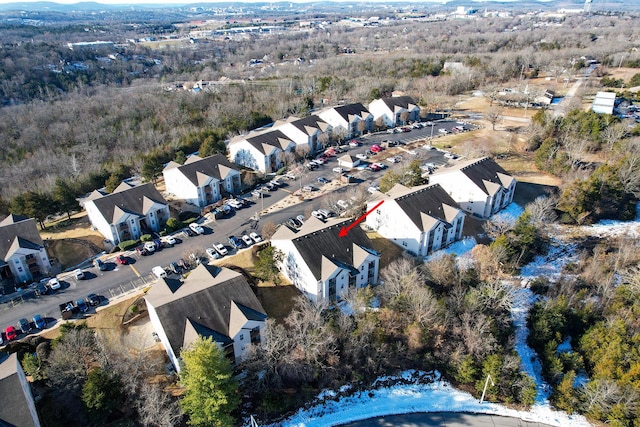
<point>498,225</point>
<point>542,211</point>
<point>629,174</point>
<point>268,229</point>
<point>493,116</point>
<point>612,134</point>
<point>156,408</point>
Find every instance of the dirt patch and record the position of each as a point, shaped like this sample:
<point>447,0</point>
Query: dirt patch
<point>388,250</point>
<point>71,252</point>
<point>277,301</point>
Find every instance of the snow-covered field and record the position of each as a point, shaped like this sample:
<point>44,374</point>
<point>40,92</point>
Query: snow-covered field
<point>410,395</point>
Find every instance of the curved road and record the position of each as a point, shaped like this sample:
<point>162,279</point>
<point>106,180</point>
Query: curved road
<point>444,419</point>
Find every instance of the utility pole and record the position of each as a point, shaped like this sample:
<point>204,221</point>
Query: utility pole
<point>486,383</point>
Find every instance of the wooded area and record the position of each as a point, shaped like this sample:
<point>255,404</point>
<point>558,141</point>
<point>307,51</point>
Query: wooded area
<point>73,121</point>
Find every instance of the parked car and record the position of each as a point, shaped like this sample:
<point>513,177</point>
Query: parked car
<point>255,237</point>
<point>81,305</point>
<point>93,300</point>
<point>392,160</point>
<point>327,213</point>
<point>318,215</point>
<point>41,289</point>
<point>443,131</point>
<point>219,247</point>
<point>11,333</point>
<point>362,156</point>
<point>169,240</point>
<point>196,228</point>
<point>184,264</point>
<point>234,242</point>
<point>24,325</point>
<point>294,223</point>
<point>323,180</point>
<point>247,240</point>
<point>354,143</point>
<point>373,189</point>
<point>309,188</point>
<point>175,268</point>
<point>67,310</point>
<point>159,272</point>
<point>338,170</point>
<point>100,265</point>
<point>78,274</point>
<point>39,322</point>
<point>150,247</point>
<point>450,156</point>
<point>256,193</point>
<point>122,260</point>
<point>373,167</point>
<point>212,253</point>
<point>54,284</point>
<point>140,250</point>
<point>376,148</point>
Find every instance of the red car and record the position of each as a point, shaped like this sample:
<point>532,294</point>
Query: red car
<point>122,260</point>
<point>376,148</point>
<point>11,333</point>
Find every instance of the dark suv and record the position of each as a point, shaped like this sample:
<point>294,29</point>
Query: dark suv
<point>235,242</point>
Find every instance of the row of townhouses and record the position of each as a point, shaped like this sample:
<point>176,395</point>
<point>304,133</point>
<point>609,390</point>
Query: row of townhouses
<point>263,150</point>
<point>218,302</point>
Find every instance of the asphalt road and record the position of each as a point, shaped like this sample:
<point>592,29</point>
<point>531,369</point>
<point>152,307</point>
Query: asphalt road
<point>240,222</point>
<point>444,419</point>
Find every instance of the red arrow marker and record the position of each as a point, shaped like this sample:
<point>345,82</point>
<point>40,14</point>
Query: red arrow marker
<point>345,230</point>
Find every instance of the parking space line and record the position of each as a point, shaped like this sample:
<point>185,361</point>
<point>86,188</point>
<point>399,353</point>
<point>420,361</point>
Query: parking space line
<point>135,270</point>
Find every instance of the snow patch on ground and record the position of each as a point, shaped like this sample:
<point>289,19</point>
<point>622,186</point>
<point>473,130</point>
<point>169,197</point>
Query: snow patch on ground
<point>437,396</point>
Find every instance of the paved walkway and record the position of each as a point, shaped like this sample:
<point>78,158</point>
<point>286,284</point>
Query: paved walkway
<point>444,419</point>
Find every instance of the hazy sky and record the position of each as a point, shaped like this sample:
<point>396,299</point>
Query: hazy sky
<point>182,2</point>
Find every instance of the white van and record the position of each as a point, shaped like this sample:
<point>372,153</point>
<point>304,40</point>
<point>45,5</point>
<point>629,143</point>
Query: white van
<point>159,272</point>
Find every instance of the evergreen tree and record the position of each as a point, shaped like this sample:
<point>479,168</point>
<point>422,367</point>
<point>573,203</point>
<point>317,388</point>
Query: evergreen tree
<point>65,197</point>
<point>210,390</point>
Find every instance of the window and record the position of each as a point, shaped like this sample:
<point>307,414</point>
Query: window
<point>404,244</point>
<point>241,337</point>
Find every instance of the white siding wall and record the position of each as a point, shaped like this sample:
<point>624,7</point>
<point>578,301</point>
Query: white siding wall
<point>296,270</point>
<point>334,119</point>
<point>157,326</point>
<point>245,154</point>
<point>99,222</point>
<point>470,198</point>
<point>26,389</point>
<point>242,340</point>
<point>379,109</point>
<point>180,186</point>
<point>393,224</point>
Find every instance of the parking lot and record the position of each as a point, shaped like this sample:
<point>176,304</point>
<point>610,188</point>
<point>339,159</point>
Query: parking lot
<point>118,277</point>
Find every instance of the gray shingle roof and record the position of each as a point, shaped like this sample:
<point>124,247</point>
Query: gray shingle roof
<point>272,137</point>
<point>405,102</point>
<point>14,410</point>
<point>215,166</point>
<point>134,200</point>
<point>348,110</point>
<point>430,200</point>
<point>325,242</point>
<point>312,121</point>
<point>18,230</point>
<point>483,171</point>
<point>204,303</point>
